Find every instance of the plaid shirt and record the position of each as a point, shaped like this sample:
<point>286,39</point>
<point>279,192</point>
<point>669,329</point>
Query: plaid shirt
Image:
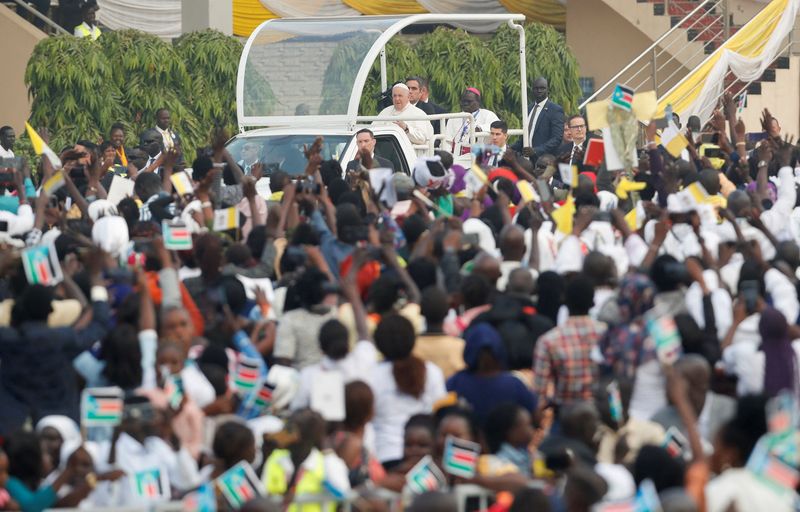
<point>563,357</point>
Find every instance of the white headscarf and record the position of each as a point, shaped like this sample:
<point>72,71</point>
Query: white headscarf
<point>66,427</point>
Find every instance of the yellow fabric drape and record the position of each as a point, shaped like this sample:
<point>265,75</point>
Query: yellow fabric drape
<point>749,41</point>
<point>550,12</point>
<point>378,7</point>
<point>249,14</point>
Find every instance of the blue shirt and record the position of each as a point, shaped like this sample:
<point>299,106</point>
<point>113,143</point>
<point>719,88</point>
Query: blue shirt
<point>485,393</point>
<point>11,203</point>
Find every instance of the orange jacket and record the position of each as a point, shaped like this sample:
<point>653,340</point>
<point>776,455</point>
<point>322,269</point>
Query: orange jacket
<point>188,302</point>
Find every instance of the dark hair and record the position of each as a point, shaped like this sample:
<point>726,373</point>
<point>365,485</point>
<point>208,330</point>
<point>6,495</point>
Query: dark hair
<point>457,411</point>
<point>201,166</point>
<point>349,224</point>
<point>749,423</point>
<point>34,305</point>
<point>330,170</point>
<point>499,422</point>
<point>658,465</point>
<point>423,82</point>
<point>115,127</point>
<point>365,130</point>
<point>475,291</point>
<point>384,292</point>
<point>232,440</point>
<point>238,254</point>
<point>308,287</point>
<point>162,109</point>
<point>434,305</point>
<point>446,158</point>
<point>528,498</point>
<point>667,273</point>
<point>421,420</point>
<point>122,355</point>
<point>413,228</point>
<point>4,129</point>
<point>423,272</point>
<point>574,116</point>
<point>359,402</point>
<point>147,185</point>
<point>334,339</point>
<point>105,145</point>
<point>310,426</point>
<point>395,339</point>
<point>580,295</point>
<point>25,458</point>
<point>500,125</point>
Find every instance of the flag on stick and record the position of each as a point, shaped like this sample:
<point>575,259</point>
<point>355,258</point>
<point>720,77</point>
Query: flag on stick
<point>41,148</point>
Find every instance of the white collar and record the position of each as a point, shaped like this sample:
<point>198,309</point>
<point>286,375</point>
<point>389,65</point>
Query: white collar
<point>541,103</point>
<point>162,132</point>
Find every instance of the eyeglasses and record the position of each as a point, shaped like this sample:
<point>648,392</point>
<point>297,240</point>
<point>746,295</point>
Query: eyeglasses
<point>581,126</point>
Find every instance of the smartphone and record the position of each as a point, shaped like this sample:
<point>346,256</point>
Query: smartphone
<point>6,178</point>
<point>713,153</point>
<point>3,226</point>
<point>750,292</point>
<point>757,136</point>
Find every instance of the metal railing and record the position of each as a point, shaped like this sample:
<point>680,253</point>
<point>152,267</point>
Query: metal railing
<point>54,27</point>
<point>736,87</point>
<point>661,65</point>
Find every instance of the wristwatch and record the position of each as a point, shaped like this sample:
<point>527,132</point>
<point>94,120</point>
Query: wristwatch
<point>763,163</point>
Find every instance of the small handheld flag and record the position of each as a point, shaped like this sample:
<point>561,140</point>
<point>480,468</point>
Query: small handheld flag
<point>526,192</point>
<point>41,148</point>
<point>675,443</point>
<point>666,337</point>
<point>182,183</point>
<point>673,140</point>
<point>151,484</point>
<point>101,407</point>
<point>226,219</point>
<point>625,186</point>
<point>41,265</point>
<point>595,152</point>
<point>742,101</point>
<point>247,374</point>
<point>425,477</point>
<point>239,484</point>
<point>622,97</point>
<point>782,414</point>
<point>54,182</point>
<point>173,387</point>
<point>460,457</point>
<point>615,403</point>
<point>770,468</point>
<point>202,500</point>
<point>177,236</point>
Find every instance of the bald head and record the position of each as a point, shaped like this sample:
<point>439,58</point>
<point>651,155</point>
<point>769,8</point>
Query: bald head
<point>520,282</point>
<point>512,243</point>
<point>789,252</point>
<point>488,267</point>
<point>739,203</point>
<point>540,89</point>
<point>709,178</point>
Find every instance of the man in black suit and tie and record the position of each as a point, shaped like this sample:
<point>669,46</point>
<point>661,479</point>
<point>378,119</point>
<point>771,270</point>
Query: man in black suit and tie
<point>365,140</point>
<point>572,152</point>
<point>545,124</point>
<point>418,95</point>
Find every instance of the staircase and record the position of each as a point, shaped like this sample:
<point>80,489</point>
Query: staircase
<point>696,29</point>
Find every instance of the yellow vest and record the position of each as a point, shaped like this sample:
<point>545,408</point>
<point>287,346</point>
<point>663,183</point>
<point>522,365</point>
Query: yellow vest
<point>84,30</point>
<point>276,480</point>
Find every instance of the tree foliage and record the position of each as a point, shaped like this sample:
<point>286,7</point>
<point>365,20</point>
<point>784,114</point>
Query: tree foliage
<point>79,88</point>
<point>453,60</point>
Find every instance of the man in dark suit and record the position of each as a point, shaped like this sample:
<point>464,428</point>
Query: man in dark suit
<point>418,96</point>
<point>572,152</point>
<point>545,124</point>
<point>365,139</point>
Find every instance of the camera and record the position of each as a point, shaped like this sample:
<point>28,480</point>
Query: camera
<point>308,186</point>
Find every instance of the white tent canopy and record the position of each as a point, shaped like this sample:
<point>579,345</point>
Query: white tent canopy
<point>312,71</point>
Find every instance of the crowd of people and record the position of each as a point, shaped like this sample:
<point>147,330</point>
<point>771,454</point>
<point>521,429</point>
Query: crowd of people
<point>561,343</point>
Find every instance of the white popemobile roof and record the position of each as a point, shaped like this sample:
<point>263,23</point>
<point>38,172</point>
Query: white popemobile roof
<point>311,71</point>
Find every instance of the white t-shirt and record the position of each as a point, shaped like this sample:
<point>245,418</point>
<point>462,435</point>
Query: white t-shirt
<point>746,491</point>
<point>357,365</point>
<point>393,408</point>
<point>747,362</point>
